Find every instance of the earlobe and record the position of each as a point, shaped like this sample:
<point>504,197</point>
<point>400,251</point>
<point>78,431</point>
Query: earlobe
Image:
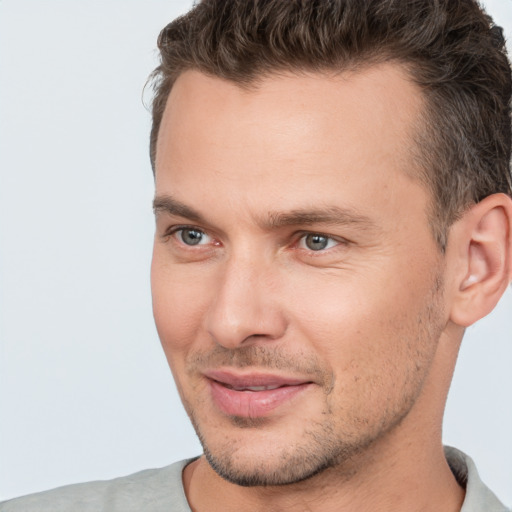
<point>483,258</point>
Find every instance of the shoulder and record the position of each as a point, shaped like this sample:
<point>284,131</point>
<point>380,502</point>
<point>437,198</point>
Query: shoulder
<point>150,490</point>
<point>479,498</point>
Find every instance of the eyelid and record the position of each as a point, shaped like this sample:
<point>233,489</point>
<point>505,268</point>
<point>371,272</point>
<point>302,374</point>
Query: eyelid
<point>300,236</point>
<point>176,228</point>
<point>340,241</point>
<point>170,230</point>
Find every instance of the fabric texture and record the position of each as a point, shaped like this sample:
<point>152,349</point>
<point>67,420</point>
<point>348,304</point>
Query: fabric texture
<point>152,490</point>
<point>479,498</point>
<point>161,490</point>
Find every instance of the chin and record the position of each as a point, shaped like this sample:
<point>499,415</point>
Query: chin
<point>253,474</point>
<point>258,458</point>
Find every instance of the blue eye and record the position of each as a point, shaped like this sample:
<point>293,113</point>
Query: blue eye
<point>316,242</point>
<point>191,236</point>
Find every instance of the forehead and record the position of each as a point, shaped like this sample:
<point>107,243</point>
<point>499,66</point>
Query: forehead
<point>308,132</point>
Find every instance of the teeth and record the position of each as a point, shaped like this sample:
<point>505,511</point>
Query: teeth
<point>255,388</point>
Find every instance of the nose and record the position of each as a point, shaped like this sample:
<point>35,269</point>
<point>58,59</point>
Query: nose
<point>246,308</point>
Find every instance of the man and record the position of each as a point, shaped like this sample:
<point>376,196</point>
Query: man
<point>333,208</point>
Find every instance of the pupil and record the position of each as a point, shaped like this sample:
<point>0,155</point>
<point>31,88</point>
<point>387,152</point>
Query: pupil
<point>191,236</point>
<point>316,242</point>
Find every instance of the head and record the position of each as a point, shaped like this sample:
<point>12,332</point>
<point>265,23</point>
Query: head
<point>450,49</point>
<point>329,176</point>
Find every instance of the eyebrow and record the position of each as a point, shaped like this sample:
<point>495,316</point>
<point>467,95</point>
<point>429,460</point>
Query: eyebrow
<point>330,215</point>
<point>168,204</point>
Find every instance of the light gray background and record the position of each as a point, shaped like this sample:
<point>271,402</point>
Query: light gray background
<point>85,392</point>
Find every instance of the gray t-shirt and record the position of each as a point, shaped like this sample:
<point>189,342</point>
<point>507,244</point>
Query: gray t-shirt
<point>161,490</point>
<point>152,490</point>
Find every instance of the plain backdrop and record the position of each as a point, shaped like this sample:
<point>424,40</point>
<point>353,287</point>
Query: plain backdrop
<point>85,392</point>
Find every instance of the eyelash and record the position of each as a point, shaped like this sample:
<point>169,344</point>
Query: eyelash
<point>299,237</point>
<point>329,239</point>
<point>174,230</point>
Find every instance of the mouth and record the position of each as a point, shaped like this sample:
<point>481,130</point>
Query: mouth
<point>253,395</point>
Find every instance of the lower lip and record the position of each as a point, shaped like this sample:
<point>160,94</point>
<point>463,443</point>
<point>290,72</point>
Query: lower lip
<point>252,404</point>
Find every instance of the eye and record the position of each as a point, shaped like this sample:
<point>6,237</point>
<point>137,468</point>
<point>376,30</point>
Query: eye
<point>192,236</point>
<point>316,242</point>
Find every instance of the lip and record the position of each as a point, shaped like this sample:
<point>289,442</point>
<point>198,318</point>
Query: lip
<point>231,395</point>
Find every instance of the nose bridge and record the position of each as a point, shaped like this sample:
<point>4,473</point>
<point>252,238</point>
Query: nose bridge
<point>246,308</point>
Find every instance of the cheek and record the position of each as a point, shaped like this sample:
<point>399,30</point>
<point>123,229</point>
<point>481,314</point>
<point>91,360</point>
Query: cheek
<point>179,303</point>
<point>371,331</point>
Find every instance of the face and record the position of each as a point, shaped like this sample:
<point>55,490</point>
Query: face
<point>295,277</point>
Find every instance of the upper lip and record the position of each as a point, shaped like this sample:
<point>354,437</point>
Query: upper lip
<point>254,379</point>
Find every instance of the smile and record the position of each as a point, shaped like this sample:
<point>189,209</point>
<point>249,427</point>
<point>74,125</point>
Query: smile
<point>252,396</point>
<point>252,388</point>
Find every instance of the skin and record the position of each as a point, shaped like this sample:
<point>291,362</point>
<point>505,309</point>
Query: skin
<point>366,321</point>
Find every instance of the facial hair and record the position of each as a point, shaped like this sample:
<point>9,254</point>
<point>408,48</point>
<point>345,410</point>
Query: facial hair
<point>324,443</point>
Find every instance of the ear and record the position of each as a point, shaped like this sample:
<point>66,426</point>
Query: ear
<point>479,253</point>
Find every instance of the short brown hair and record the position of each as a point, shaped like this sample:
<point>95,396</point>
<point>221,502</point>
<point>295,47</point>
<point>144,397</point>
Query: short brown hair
<point>451,49</point>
